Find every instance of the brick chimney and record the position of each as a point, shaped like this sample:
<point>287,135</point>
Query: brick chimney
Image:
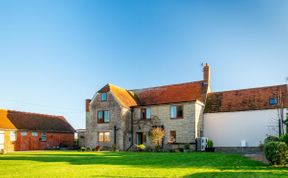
<point>88,105</point>
<point>206,74</point>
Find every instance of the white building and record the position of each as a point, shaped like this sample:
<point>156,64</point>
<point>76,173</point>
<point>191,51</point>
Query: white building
<point>244,118</point>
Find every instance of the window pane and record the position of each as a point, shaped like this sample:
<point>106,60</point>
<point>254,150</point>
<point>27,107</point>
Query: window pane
<point>34,134</point>
<point>103,96</point>
<point>172,136</point>
<point>107,136</point>
<point>179,111</point>
<point>100,137</point>
<point>13,136</point>
<point>106,116</point>
<point>173,112</point>
<point>43,136</point>
<point>148,113</point>
<point>100,115</point>
<point>143,113</point>
<point>24,133</point>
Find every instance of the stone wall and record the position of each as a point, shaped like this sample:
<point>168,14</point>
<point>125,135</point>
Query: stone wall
<point>118,117</point>
<point>160,114</point>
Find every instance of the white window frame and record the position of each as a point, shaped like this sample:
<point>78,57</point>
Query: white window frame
<point>13,136</point>
<point>24,133</point>
<point>34,134</point>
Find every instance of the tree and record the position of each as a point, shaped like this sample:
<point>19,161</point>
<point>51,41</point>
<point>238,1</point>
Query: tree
<point>281,98</point>
<point>156,136</point>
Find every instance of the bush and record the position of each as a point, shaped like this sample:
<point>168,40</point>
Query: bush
<point>284,138</point>
<point>210,144</point>
<point>261,146</point>
<point>271,139</point>
<point>98,148</point>
<point>156,135</point>
<point>3,152</point>
<point>140,147</point>
<point>115,147</point>
<point>83,149</point>
<point>276,152</point>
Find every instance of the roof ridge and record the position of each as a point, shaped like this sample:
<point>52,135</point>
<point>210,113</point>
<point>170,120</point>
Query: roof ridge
<point>168,85</point>
<point>33,113</point>
<point>280,85</point>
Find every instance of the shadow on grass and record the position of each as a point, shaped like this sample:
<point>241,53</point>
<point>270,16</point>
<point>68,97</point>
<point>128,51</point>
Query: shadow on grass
<point>219,161</point>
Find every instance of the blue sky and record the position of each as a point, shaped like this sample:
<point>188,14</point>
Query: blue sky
<point>55,54</point>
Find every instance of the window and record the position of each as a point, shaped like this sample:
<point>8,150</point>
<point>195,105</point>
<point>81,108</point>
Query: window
<point>34,134</point>
<point>13,136</point>
<point>145,113</point>
<point>103,117</point>
<point>104,136</point>
<point>43,136</point>
<point>24,133</point>
<point>273,101</point>
<point>172,138</point>
<point>103,96</point>
<point>176,112</point>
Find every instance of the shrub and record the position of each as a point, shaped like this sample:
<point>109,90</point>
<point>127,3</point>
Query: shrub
<point>83,148</point>
<point>187,146</point>
<point>140,147</point>
<point>276,152</point>
<point>98,148</point>
<point>284,138</point>
<point>210,144</point>
<point>156,136</point>
<point>3,152</point>
<point>261,146</point>
<point>271,139</point>
<point>115,147</point>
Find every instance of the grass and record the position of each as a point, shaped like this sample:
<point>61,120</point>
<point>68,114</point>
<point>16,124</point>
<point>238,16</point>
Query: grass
<point>69,164</point>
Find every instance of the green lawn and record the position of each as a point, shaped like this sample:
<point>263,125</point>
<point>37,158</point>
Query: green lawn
<point>130,164</point>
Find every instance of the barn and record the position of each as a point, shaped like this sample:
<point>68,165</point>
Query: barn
<point>22,131</point>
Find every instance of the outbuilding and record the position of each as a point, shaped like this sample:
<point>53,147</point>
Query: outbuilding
<point>21,131</point>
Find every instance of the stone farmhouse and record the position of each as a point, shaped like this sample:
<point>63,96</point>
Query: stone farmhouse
<point>22,131</point>
<point>186,111</point>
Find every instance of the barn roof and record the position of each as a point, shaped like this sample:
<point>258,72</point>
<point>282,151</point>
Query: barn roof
<point>10,119</point>
<point>247,99</point>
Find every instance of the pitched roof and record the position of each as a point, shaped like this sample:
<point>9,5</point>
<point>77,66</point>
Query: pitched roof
<point>183,92</point>
<point>125,97</point>
<point>246,99</point>
<point>175,93</point>
<point>32,121</point>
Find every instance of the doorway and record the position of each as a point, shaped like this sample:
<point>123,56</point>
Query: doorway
<point>140,138</point>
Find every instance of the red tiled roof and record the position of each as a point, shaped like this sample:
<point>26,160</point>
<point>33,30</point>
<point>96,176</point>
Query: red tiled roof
<point>246,99</point>
<point>33,121</point>
<point>183,92</point>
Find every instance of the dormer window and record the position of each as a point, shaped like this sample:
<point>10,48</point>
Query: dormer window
<point>103,96</point>
<point>273,101</point>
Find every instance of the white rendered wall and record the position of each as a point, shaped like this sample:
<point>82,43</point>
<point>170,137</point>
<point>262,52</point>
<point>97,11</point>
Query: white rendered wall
<point>227,129</point>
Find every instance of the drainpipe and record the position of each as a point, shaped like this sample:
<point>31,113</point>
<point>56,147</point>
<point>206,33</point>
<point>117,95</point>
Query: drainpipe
<point>115,130</point>
<point>132,129</point>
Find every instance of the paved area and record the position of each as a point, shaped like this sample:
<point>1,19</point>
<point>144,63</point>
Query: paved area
<point>257,157</point>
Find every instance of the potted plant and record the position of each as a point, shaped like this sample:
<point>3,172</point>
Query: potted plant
<point>210,147</point>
